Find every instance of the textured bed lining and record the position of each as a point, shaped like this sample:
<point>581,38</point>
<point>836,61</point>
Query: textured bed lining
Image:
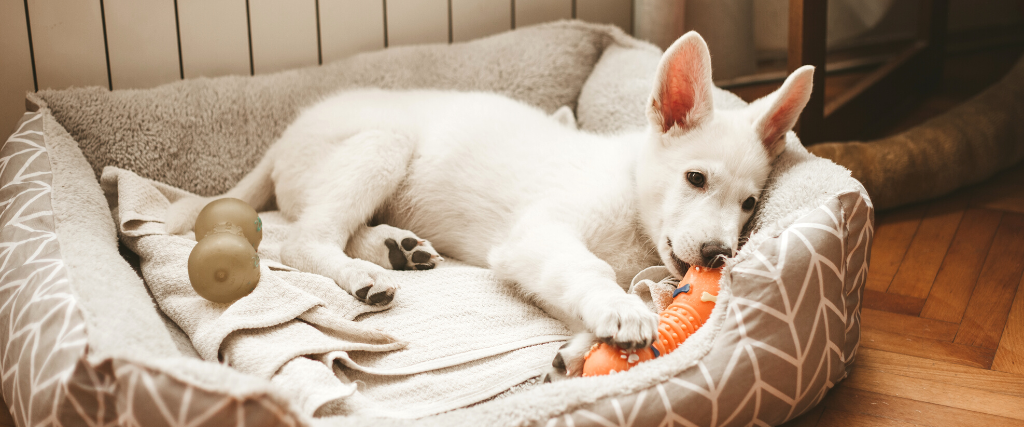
<point>122,319</point>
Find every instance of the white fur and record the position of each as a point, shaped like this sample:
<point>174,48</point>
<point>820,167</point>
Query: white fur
<point>571,216</point>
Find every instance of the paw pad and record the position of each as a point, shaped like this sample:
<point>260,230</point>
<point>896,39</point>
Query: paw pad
<point>559,362</point>
<point>380,298</point>
<point>411,254</point>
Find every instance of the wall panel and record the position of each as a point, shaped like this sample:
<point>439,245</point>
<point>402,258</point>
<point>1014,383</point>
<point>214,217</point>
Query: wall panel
<point>284,34</point>
<point>214,37</point>
<point>473,19</point>
<point>67,37</point>
<point>417,21</point>
<point>348,27</point>
<point>531,12</point>
<point>15,66</point>
<point>142,40</point>
<point>617,12</point>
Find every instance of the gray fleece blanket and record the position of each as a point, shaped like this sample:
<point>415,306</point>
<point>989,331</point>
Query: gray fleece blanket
<point>202,135</point>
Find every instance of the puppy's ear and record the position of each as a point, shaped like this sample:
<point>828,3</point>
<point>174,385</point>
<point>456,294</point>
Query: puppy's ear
<point>784,108</point>
<point>681,98</point>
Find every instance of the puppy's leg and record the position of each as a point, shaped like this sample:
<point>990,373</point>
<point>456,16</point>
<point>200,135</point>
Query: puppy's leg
<point>392,247</point>
<point>551,263</point>
<point>256,189</point>
<point>351,181</point>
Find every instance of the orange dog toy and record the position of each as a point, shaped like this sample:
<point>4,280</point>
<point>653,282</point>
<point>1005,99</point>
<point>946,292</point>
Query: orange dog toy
<point>691,306</point>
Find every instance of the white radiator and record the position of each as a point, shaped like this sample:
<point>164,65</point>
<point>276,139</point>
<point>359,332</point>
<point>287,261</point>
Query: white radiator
<point>122,44</point>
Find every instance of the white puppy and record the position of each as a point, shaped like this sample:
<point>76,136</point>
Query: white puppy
<point>571,216</point>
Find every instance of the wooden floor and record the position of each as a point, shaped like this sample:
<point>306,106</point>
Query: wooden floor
<point>943,318</point>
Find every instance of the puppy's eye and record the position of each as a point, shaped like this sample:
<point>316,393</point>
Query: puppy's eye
<point>696,179</point>
<point>749,203</point>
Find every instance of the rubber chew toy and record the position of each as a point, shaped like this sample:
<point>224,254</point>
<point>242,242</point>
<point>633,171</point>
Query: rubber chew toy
<point>224,266</point>
<point>691,306</point>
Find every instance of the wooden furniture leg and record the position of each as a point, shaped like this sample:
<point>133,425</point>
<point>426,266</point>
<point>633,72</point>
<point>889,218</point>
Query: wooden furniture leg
<point>907,77</point>
<point>807,35</point>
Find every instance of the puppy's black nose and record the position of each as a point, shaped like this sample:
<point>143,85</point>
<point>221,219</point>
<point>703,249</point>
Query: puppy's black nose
<point>714,253</point>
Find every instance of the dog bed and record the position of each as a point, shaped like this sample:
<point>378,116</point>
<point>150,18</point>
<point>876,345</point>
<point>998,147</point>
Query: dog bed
<point>85,342</point>
<point>963,146</point>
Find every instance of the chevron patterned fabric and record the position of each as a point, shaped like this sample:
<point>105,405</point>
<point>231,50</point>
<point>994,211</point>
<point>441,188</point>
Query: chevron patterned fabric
<point>43,333</point>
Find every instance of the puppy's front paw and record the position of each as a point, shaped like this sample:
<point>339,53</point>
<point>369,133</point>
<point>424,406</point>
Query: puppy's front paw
<point>627,323</point>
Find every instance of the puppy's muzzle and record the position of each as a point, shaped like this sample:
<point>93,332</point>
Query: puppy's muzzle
<point>714,253</point>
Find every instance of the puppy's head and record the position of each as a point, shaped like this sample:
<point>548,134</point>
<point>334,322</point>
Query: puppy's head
<point>702,170</point>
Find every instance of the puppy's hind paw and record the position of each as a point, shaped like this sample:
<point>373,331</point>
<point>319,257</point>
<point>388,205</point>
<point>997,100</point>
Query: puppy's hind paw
<point>379,298</point>
<point>411,253</point>
<point>393,248</point>
<point>378,291</point>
